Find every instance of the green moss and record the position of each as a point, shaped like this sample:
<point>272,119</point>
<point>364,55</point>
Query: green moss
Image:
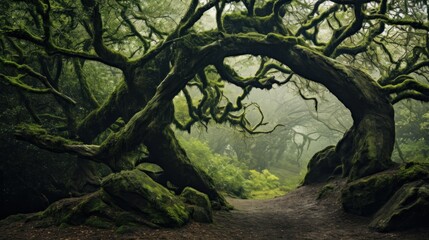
<point>34,128</point>
<point>37,135</point>
<point>365,196</point>
<point>368,146</point>
<point>414,170</point>
<point>201,208</point>
<point>240,23</point>
<point>137,190</point>
<point>154,171</point>
<point>195,197</point>
<point>124,206</point>
<point>150,167</point>
<point>278,38</point>
<point>74,211</point>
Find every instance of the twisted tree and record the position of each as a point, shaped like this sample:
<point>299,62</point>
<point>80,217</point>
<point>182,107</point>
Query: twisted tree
<point>369,53</point>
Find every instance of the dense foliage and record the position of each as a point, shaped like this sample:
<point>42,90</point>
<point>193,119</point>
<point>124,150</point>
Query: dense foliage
<point>232,175</point>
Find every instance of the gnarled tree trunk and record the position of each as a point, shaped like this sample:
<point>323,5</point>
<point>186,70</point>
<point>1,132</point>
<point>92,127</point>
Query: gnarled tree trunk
<point>166,151</point>
<point>367,147</point>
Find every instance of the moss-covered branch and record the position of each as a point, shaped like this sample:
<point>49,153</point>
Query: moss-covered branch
<point>191,111</point>
<point>101,118</point>
<point>38,136</point>
<point>409,88</point>
<point>18,83</point>
<point>369,144</point>
<point>410,94</point>
<point>262,82</point>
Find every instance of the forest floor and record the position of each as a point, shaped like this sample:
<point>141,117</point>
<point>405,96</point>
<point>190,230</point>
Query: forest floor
<point>298,215</point>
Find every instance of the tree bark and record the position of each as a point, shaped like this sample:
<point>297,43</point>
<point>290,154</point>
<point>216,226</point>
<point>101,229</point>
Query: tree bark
<point>162,144</point>
<point>366,148</point>
<point>166,151</point>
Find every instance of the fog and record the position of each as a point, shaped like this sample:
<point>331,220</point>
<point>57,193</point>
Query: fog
<point>290,130</point>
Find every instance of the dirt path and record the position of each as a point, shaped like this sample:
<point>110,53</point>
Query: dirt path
<point>298,215</point>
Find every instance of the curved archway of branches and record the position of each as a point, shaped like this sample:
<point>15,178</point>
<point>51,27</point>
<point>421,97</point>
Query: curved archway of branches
<point>183,55</point>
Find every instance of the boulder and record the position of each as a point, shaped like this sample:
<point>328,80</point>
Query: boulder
<point>408,207</point>
<point>154,171</point>
<point>127,199</point>
<point>198,205</point>
<point>96,209</point>
<point>367,195</point>
<point>136,190</point>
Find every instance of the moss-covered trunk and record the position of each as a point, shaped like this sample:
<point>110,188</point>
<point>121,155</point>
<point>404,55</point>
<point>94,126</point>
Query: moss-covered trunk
<point>162,144</point>
<point>367,147</point>
<point>166,151</point>
<point>364,150</point>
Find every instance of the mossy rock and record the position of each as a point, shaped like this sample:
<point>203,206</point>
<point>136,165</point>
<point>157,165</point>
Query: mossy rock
<point>96,210</point>
<point>127,198</point>
<point>154,171</point>
<point>150,168</point>
<point>322,166</point>
<point>136,190</point>
<point>199,205</point>
<point>408,207</point>
<point>367,195</point>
